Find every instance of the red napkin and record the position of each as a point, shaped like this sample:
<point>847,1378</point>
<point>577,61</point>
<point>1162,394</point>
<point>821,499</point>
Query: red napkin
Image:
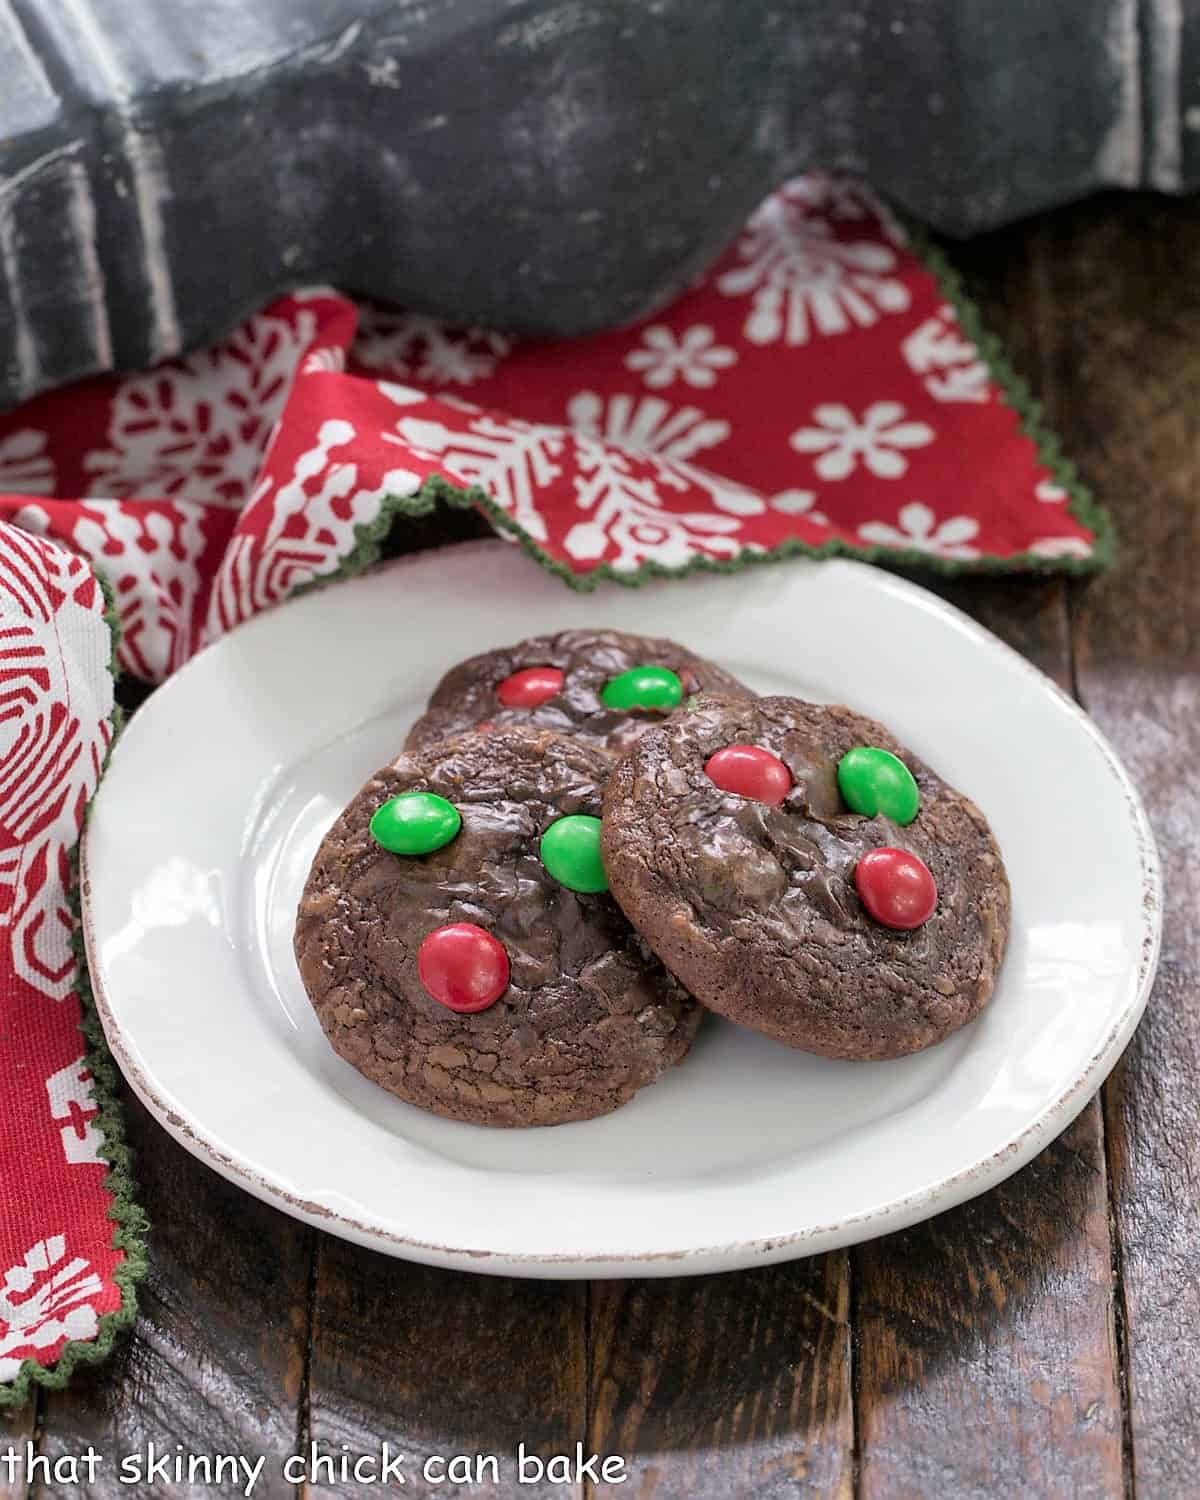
<point>822,389</point>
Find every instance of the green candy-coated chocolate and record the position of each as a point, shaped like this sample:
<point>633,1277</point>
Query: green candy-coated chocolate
<point>415,823</point>
<point>570,850</point>
<point>875,782</point>
<point>643,687</point>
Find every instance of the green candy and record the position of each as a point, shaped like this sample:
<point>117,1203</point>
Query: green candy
<point>570,850</point>
<point>415,823</point>
<point>643,687</point>
<point>875,782</point>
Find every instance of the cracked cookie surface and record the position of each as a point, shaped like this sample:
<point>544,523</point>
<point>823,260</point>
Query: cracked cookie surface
<point>589,1016</point>
<point>588,660</point>
<point>754,907</point>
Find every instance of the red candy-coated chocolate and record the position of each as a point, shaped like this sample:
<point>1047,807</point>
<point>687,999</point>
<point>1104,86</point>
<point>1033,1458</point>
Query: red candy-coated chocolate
<point>463,967</point>
<point>749,771</point>
<point>528,688</point>
<point>896,888</point>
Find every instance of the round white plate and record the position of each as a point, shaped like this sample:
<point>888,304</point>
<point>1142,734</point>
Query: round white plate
<point>221,788</point>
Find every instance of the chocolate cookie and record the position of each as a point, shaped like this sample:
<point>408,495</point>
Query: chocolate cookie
<point>730,839</point>
<point>599,684</point>
<point>447,963</point>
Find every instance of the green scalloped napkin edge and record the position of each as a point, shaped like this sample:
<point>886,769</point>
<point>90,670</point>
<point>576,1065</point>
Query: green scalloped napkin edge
<point>1082,504</point>
<point>129,1219</point>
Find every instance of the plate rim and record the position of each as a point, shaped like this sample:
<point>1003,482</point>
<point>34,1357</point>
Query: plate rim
<point>887,1218</point>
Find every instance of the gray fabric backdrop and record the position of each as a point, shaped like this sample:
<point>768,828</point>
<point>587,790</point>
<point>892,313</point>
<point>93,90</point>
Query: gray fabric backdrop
<point>536,165</point>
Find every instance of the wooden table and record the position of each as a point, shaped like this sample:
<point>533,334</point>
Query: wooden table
<point>1043,1340</point>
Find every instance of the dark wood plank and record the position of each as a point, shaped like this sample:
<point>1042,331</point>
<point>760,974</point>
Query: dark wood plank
<point>443,1363</point>
<point>216,1359</point>
<point>987,1360</point>
<point>17,1430</point>
<point>1126,361</point>
<point>986,1350</point>
<point>721,1386</point>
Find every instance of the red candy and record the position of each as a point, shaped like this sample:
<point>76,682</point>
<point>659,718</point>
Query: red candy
<point>749,771</point>
<point>529,688</point>
<point>463,967</point>
<point>896,888</point>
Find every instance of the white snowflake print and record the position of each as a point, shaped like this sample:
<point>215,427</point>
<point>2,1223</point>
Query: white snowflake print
<point>257,571</point>
<point>1061,546</point>
<point>621,488</point>
<point>400,395</point>
<point>331,361</point>
<point>25,466</point>
<point>511,460</point>
<point>695,357</point>
<point>669,436</point>
<point>1049,492</point>
<point>627,512</point>
<point>57,645</point>
<point>878,438</point>
<point>411,346</point>
<point>199,428</point>
<point>646,425</point>
<point>845,198</point>
<point>798,503</point>
<point>72,1095</point>
<point>618,438</point>
<point>43,1300</point>
<point>802,279</point>
<point>152,560</point>
<point>951,366</point>
<point>836,196</point>
<point>919,530</point>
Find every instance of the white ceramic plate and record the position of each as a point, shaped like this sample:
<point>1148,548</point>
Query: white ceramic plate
<point>225,781</point>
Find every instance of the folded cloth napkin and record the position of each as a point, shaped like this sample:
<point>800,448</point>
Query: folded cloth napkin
<point>823,389</point>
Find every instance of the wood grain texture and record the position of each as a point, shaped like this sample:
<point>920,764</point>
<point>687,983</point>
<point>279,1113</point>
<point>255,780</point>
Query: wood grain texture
<point>987,1358</point>
<point>986,1352</point>
<point>724,1386</point>
<point>441,1363</point>
<point>17,1428</point>
<point>1125,360</point>
<point>216,1359</point>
